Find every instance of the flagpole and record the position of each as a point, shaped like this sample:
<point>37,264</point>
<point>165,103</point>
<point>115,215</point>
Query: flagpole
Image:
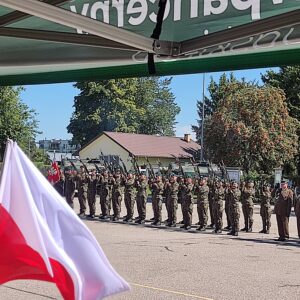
<point>203,117</point>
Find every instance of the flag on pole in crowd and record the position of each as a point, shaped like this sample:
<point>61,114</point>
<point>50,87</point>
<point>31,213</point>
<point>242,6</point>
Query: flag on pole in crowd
<point>54,173</point>
<point>41,237</point>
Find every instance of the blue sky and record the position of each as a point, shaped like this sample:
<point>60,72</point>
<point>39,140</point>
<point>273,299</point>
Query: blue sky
<point>54,102</point>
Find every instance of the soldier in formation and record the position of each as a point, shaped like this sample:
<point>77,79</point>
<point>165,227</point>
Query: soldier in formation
<point>247,197</point>
<point>111,187</point>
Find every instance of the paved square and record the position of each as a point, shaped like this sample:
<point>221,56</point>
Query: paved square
<point>173,264</point>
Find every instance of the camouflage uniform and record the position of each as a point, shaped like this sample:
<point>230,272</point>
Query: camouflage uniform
<point>141,199</point>
<point>219,196</point>
<point>248,194</point>
<point>91,193</point>
<point>180,194</point>
<point>202,205</point>
<point>117,192</point>
<point>172,202</point>
<point>282,209</point>
<point>157,192</point>
<point>129,198</point>
<point>104,195</point>
<point>265,210</point>
<point>166,195</point>
<point>211,202</point>
<point>227,208</point>
<point>187,204</point>
<point>82,187</point>
<point>234,210</point>
<point>70,187</point>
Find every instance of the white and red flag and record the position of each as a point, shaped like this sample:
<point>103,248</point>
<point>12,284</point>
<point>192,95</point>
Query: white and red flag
<point>54,173</point>
<point>41,237</point>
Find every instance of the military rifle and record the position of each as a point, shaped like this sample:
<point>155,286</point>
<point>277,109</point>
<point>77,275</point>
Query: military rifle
<point>224,171</point>
<point>106,164</point>
<point>72,164</point>
<point>84,165</point>
<point>180,166</point>
<point>124,166</point>
<point>135,164</point>
<point>196,168</point>
<point>152,174</point>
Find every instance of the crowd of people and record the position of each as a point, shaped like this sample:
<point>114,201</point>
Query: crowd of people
<point>214,197</point>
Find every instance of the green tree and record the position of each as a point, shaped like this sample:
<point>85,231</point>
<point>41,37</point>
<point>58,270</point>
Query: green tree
<point>287,79</point>
<point>251,128</point>
<point>217,92</point>
<point>144,105</point>
<point>17,121</point>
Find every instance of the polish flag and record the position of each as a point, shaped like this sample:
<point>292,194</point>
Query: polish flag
<point>54,174</point>
<point>41,237</point>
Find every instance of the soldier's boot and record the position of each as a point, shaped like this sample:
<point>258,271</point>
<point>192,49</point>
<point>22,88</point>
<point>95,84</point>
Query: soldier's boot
<point>217,231</point>
<point>267,231</point>
<point>250,227</point>
<point>244,229</point>
<point>263,230</point>
<point>230,233</point>
<point>235,233</point>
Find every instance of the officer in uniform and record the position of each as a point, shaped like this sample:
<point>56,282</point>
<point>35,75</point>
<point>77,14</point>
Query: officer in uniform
<point>219,196</point>
<point>157,189</point>
<point>187,203</point>
<point>91,193</point>
<point>282,209</point>
<point>129,197</point>
<point>141,198</point>
<point>202,191</point>
<point>234,208</point>
<point>265,208</point>
<point>247,197</point>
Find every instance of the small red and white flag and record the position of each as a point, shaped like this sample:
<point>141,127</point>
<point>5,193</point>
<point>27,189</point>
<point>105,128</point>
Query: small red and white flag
<point>54,173</point>
<point>41,237</point>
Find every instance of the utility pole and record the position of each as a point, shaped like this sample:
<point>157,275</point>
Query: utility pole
<point>203,116</point>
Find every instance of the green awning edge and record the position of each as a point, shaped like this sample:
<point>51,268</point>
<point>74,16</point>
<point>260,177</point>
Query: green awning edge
<point>181,67</point>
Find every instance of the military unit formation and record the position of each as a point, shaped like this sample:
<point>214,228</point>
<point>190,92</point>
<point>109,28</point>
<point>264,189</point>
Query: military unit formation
<point>116,184</point>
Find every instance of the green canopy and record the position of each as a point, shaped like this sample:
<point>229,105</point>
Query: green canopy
<point>59,41</point>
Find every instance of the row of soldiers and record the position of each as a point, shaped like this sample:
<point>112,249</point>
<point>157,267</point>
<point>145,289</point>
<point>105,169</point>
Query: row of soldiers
<point>211,196</point>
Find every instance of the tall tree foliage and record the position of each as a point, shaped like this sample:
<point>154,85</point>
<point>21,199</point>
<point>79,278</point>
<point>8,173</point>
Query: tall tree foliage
<point>144,105</point>
<point>251,128</point>
<point>217,92</point>
<point>17,121</point>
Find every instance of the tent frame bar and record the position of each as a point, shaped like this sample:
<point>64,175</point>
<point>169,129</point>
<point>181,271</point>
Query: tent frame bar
<point>239,32</point>
<point>63,37</point>
<point>73,20</point>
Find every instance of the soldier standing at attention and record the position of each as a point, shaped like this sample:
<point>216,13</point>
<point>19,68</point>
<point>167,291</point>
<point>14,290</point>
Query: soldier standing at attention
<point>282,209</point>
<point>117,191</point>
<point>82,187</point>
<point>180,181</point>
<point>211,185</point>
<point>129,197</point>
<point>173,201</point>
<point>226,186</point>
<point>91,193</point>
<point>157,188</point>
<point>219,196</point>
<point>265,208</point>
<point>70,187</point>
<point>202,191</point>
<point>187,203</point>
<point>141,198</point>
<point>166,194</point>
<point>104,195</point>
<point>234,208</point>
<point>247,197</point>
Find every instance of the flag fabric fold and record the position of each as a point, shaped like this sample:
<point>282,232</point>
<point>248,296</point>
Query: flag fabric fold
<point>42,238</point>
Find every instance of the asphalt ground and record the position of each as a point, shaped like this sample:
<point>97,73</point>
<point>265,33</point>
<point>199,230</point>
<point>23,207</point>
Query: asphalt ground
<point>170,264</point>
